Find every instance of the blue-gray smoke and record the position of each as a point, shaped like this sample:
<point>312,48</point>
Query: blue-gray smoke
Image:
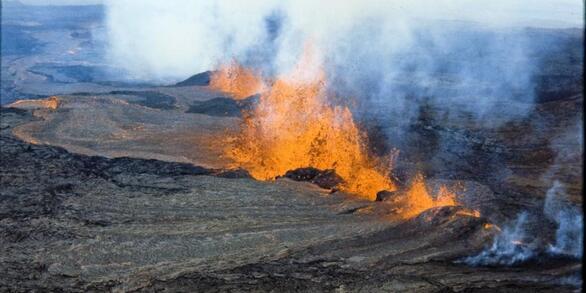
<point>515,244</point>
<point>569,238</point>
<point>511,246</point>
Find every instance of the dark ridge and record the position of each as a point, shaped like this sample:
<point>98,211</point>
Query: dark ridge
<point>128,165</point>
<point>327,179</point>
<point>200,79</point>
<point>220,106</point>
<point>152,99</point>
<point>223,107</point>
<point>62,171</point>
<point>555,88</point>
<point>324,275</point>
<point>13,110</point>
<point>98,74</point>
<point>352,210</point>
<point>234,174</point>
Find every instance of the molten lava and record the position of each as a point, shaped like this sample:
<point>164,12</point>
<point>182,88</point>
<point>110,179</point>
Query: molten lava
<point>418,198</point>
<point>294,126</point>
<point>236,80</point>
<point>49,103</point>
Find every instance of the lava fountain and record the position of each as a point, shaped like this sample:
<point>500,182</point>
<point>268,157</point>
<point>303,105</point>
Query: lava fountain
<point>296,125</point>
<point>236,80</point>
<point>418,199</point>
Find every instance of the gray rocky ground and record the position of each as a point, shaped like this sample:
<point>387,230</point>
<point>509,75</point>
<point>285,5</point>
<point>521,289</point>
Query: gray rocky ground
<point>124,186</point>
<point>88,223</point>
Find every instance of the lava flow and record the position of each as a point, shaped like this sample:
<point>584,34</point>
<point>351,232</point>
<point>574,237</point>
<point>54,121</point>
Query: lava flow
<point>417,199</point>
<point>295,125</point>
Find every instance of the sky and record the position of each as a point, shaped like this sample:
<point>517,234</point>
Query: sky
<point>60,2</point>
<point>558,13</point>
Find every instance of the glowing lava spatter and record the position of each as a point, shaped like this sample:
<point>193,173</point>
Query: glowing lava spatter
<point>295,125</point>
<point>236,80</point>
<point>418,199</point>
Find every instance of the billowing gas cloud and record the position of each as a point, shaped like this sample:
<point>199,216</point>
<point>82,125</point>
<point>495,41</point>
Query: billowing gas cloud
<point>569,221</point>
<point>515,244</point>
<point>172,39</point>
<point>512,246</point>
<point>463,57</point>
<point>165,40</point>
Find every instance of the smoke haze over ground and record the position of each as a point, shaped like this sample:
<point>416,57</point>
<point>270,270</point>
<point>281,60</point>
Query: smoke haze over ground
<point>106,133</point>
<point>482,60</point>
<point>178,38</point>
<point>382,53</point>
<point>485,63</point>
<point>516,244</point>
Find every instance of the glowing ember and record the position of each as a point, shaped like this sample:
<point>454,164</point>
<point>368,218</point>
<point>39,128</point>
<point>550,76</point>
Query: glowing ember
<point>418,198</point>
<point>469,213</point>
<point>236,80</point>
<point>489,226</point>
<point>49,103</point>
<point>294,126</point>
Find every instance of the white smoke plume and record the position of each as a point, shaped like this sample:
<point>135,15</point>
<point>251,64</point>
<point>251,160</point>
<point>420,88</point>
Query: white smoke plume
<point>516,245</point>
<point>176,38</point>
<point>569,238</point>
<point>467,55</point>
<point>510,247</point>
<point>166,40</point>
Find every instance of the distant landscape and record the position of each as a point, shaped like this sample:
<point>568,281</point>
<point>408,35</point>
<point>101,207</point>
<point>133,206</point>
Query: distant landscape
<point>370,155</point>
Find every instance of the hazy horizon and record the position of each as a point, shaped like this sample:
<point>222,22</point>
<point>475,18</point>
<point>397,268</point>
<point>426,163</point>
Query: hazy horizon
<point>541,13</point>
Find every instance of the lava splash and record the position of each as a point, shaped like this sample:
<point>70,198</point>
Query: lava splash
<point>236,80</point>
<point>294,125</point>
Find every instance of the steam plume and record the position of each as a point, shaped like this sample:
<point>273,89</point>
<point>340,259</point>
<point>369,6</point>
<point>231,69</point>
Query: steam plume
<point>569,234</point>
<point>515,244</point>
<point>173,39</point>
<point>510,247</point>
<point>466,55</point>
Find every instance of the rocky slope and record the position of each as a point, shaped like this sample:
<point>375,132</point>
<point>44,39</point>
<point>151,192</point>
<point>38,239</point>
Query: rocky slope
<point>80,223</point>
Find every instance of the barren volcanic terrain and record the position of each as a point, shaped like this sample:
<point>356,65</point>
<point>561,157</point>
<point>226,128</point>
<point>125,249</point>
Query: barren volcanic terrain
<point>76,222</point>
<point>113,185</point>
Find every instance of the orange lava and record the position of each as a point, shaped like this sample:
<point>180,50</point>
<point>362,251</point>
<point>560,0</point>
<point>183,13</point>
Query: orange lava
<point>469,213</point>
<point>489,226</point>
<point>49,103</point>
<point>236,80</point>
<point>418,199</point>
<point>295,126</point>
